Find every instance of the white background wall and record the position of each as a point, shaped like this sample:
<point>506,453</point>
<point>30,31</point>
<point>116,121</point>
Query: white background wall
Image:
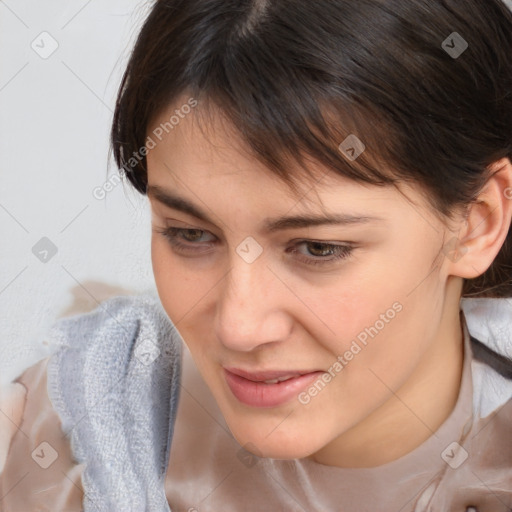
<point>54,129</point>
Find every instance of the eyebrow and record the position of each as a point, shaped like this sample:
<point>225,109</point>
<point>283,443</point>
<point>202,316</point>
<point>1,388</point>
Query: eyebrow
<point>171,200</point>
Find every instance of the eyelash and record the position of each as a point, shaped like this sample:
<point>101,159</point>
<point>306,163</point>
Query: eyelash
<point>343,251</point>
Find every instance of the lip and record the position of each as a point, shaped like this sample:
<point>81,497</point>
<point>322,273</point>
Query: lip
<point>258,394</point>
<point>267,374</point>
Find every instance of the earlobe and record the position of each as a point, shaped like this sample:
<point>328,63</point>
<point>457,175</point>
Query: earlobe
<point>486,225</point>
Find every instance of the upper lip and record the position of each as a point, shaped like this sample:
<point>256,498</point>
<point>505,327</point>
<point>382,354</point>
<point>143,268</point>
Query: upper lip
<point>267,374</point>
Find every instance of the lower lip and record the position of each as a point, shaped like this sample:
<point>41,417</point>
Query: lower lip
<point>259,394</point>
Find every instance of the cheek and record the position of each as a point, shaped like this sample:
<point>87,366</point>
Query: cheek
<point>378,316</point>
<point>174,288</point>
<point>182,290</point>
<point>350,303</point>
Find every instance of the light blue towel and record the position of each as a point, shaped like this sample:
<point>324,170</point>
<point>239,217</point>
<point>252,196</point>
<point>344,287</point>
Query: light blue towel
<point>115,382</point>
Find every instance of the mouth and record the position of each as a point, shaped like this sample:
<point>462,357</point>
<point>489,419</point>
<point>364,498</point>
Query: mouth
<point>268,388</point>
<point>269,376</point>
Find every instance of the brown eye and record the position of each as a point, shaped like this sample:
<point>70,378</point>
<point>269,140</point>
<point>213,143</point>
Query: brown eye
<point>321,253</point>
<point>186,241</point>
<point>320,249</point>
<point>189,234</point>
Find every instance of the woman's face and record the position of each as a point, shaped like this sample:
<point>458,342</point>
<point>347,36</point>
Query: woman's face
<point>249,290</point>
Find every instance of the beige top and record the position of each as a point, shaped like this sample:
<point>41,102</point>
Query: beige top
<point>209,471</point>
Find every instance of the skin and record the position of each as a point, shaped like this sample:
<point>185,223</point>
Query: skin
<point>278,312</point>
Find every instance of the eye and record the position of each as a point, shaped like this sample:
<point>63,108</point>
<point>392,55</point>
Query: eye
<point>321,253</point>
<point>190,236</point>
<point>191,241</point>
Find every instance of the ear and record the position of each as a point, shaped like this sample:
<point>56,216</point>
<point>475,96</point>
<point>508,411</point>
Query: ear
<point>485,227</point>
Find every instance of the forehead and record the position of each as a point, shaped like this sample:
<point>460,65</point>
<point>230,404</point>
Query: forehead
<point>203,149</point>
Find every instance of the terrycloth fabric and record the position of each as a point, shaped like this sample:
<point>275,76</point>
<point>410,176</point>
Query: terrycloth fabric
<point>129,355</point>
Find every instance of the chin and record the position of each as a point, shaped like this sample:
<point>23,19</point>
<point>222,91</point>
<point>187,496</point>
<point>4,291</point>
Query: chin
<point>284,445</point>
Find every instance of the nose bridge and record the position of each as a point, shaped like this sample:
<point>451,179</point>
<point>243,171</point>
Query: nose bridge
<point>248,311</point>
<point>243,287</point>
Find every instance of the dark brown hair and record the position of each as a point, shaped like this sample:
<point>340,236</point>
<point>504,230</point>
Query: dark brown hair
<point>426,85</point>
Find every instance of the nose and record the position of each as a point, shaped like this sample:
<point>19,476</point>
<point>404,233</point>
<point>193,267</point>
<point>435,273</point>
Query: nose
<point>252,307</point>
